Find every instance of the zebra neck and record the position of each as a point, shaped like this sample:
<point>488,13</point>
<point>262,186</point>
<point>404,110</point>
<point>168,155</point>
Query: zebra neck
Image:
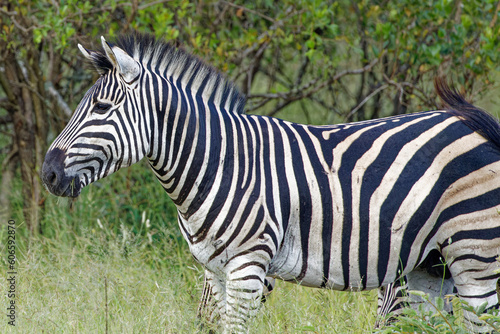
<point>191,149</point>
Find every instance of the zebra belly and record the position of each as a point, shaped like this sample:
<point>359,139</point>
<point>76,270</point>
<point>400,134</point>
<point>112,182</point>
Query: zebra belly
<point>292,265</point>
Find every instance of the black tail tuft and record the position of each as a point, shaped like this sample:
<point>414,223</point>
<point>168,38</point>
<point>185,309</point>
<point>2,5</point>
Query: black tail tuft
<point>478,120</point>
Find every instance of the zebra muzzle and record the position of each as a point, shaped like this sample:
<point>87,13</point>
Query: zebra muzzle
<point>54,176</point>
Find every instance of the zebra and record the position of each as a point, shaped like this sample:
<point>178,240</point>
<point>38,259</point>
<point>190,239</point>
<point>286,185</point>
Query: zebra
<point>352,206</point>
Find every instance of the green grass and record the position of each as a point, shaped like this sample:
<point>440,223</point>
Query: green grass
<point>122,233</point>
<point>64,292</point>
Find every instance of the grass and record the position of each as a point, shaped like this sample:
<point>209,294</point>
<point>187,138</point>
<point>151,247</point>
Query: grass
<point>115,259</point>
<point>64,292</point>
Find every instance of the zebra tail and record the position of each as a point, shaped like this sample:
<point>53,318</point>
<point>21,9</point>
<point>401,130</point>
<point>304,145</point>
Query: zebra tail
<point>475,118</point>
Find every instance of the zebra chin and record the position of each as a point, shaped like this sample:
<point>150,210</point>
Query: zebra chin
<point>54,176</point>
<point>69,189</point>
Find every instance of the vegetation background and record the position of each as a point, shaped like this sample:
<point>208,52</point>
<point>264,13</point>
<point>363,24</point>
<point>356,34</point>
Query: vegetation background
<point>114,260</point>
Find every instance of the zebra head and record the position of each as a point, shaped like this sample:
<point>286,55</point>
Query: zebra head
<point>107,130</point>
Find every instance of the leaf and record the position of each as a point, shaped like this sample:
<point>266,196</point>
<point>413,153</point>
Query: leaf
<point>486,316</point>
<point>466,21</point>
<point>434,50</point>
<point>310,53</point>
<point>480,309</point>
<point>334,29</point>
<point>440,303</point>
<point>310,44</point>
<point>418,293</point>
<point>37,36</point>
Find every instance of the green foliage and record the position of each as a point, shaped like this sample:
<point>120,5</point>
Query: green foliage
<point>294,49</point>
<point>437,33</point>
<point>438,320</point>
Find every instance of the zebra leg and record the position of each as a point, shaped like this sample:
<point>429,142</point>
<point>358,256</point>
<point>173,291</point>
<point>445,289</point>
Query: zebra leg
<point>394,297</point>
<point>269,284</point>
<point>391,300</point>
<point>476,285</point>
<point>475,294</point>
<point>207,306</point>
<point>472,256</point>
<point>244,288</point>
<point>210,307</point>
<point>431,277</point>
<point>213,293</point>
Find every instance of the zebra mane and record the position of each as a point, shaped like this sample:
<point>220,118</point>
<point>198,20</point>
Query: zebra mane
<point>173,63</point>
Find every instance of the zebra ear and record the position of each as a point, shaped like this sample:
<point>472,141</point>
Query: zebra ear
<point>85,52</point>
<point>127,66</point>
<point>94,58</point>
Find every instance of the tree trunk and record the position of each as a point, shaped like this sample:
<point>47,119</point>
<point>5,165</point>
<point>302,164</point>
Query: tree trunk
<point>24,89</point>
<point>8,168</point>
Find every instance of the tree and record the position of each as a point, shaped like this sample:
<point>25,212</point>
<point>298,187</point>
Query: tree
<point>330,60</point>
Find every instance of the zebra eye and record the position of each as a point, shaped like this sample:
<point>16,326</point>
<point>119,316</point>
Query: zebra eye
<point>101,108</point>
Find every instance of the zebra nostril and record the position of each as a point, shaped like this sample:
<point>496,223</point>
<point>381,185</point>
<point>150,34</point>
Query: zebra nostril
<point>53,178</point>
<point>53,168</point>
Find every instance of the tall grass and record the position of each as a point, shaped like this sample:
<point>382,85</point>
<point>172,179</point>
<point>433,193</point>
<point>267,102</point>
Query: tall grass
<point>115,259</point>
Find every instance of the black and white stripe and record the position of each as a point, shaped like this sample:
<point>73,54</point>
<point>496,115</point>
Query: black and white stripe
<point>349,206</point>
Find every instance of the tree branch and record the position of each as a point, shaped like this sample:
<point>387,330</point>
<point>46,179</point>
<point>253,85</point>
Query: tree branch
<point>54,93</point>
<point>12,16</point>
<point>6,85</point>
<point>250,11</point>
<point>8,172</point>
<point>305,90</point>
<point>253,68</point>
<point>366,99</point>
<point>495,16</point>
